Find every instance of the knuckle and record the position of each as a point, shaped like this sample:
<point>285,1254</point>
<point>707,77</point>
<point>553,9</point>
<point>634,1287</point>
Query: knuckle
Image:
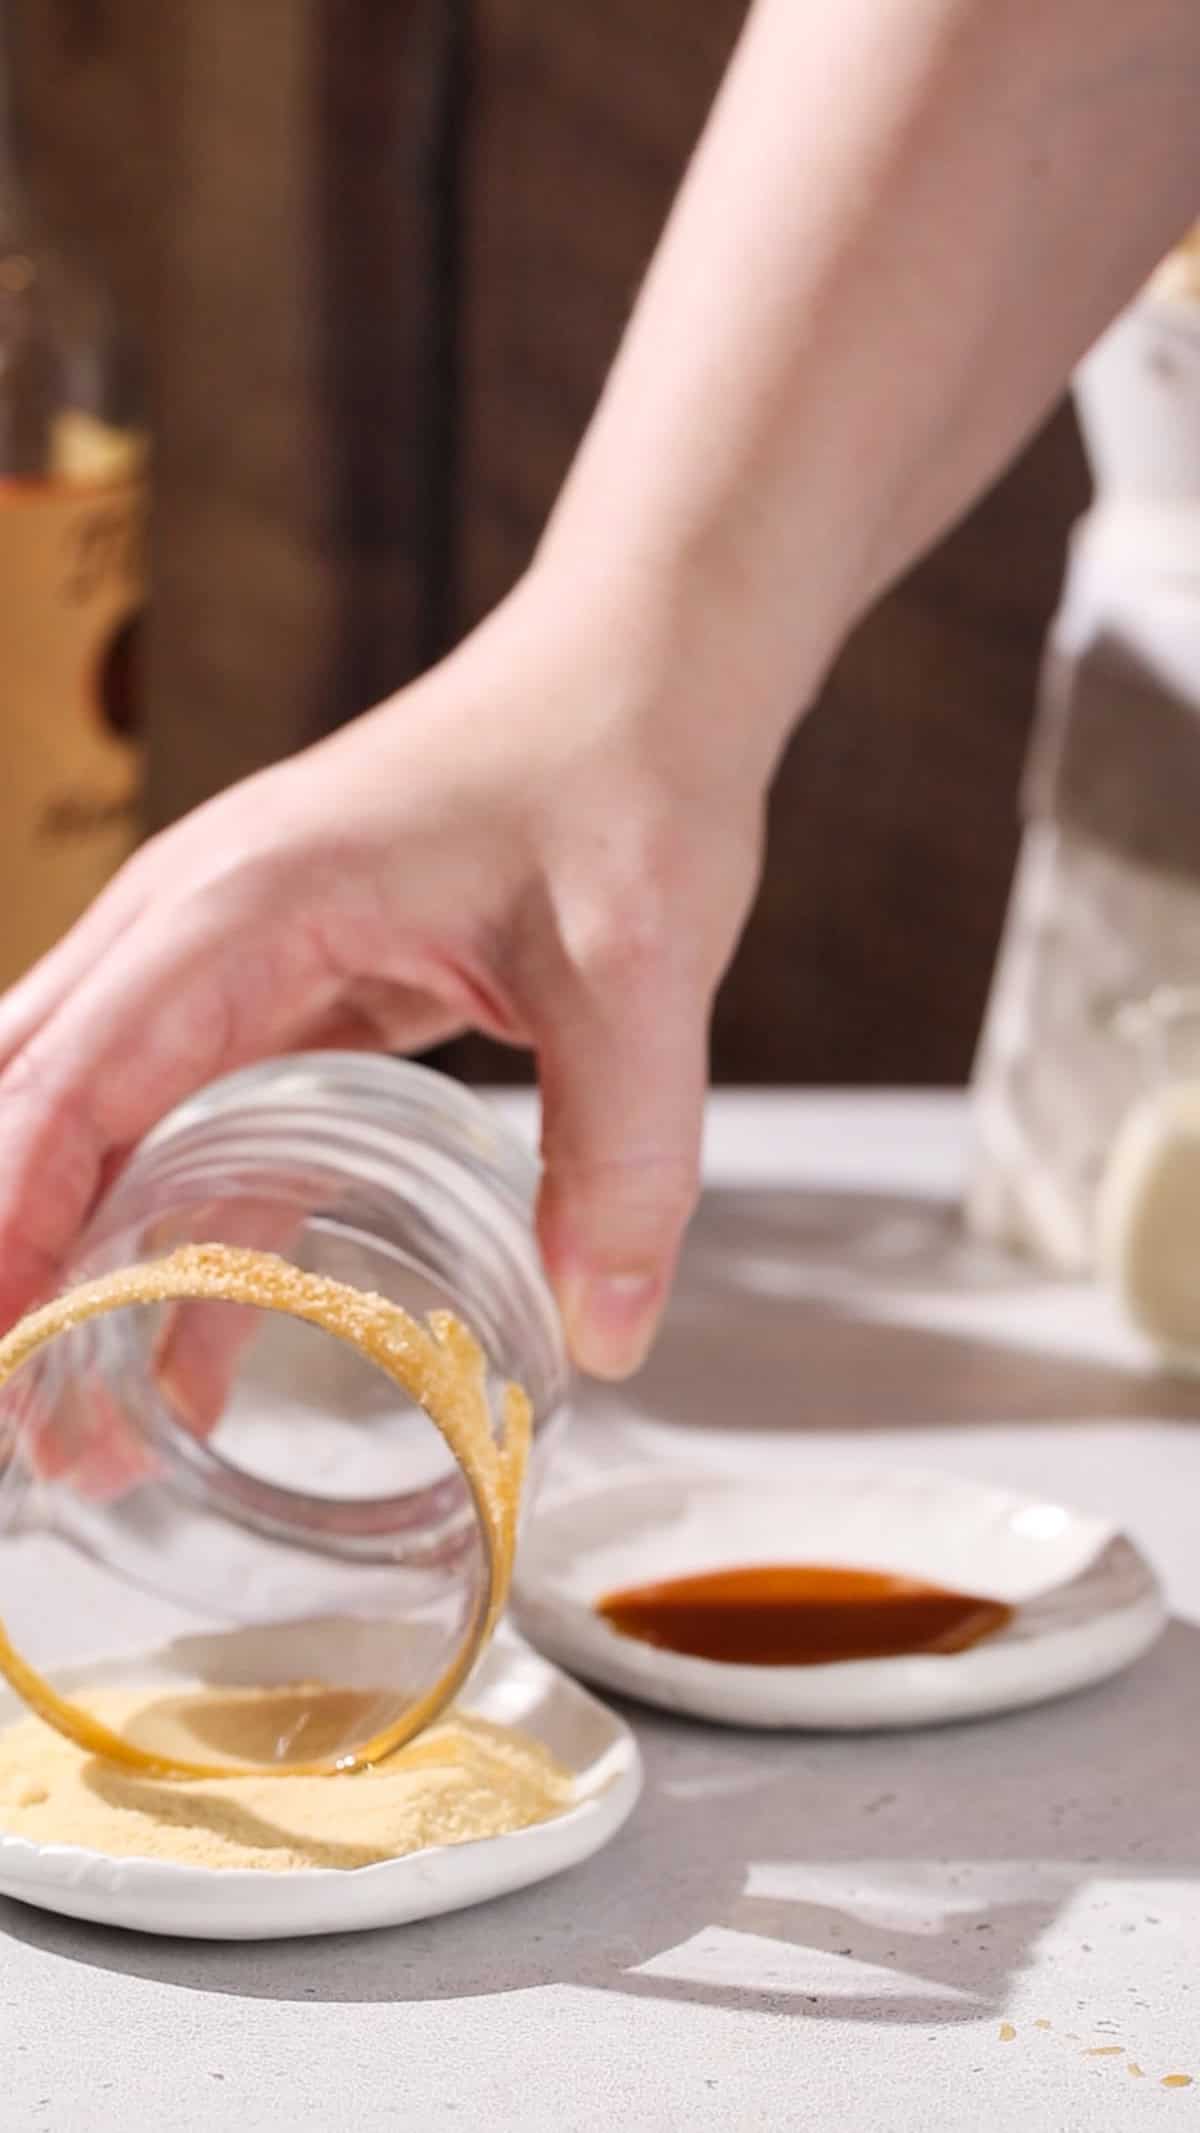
<point>660,1190</point>
<point>632,920</point>
<point>625,945</point>
<point>54,1145</point>
<point>673,1190</point>
<point>34,1097</point>
<point>656,903</point>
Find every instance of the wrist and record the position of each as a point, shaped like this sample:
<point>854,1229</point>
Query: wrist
<point>710,667</point>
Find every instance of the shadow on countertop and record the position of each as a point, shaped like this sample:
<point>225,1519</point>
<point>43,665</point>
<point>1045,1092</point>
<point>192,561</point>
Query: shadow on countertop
<point>889,1878</point>
<point>802,1309</point>
<point>895,1879</point>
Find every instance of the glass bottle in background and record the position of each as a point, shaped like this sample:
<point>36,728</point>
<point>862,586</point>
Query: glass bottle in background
<point>72,527</point>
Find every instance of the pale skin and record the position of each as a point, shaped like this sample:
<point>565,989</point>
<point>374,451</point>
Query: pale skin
<point>905,221</point>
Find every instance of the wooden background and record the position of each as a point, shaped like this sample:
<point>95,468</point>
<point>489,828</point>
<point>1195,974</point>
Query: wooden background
<point>378,253</point>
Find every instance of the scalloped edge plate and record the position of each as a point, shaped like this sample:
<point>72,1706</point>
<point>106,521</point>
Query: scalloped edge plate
<point>513,1686</point>
<point>1087,1601</point>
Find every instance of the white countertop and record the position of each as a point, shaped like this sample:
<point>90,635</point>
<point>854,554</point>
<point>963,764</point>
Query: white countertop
<point>792,1933</point>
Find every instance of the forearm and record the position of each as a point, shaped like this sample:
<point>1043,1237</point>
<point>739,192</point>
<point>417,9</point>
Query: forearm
<point>905,221</point>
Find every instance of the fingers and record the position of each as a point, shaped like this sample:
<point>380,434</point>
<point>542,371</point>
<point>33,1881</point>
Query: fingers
<point>202,1343</point>
<point>89,1444</point>
<point>623,1086</point>
<point>30,1002</point>
<point>385,1018</point>
<point>164,1012</point>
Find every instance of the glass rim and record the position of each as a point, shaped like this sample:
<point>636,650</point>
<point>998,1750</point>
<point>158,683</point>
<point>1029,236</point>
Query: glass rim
<point>372,1114</point>
<point>187,1284</point>
<point>346,1528</point>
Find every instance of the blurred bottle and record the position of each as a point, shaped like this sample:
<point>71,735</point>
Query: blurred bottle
<point>72,525</point>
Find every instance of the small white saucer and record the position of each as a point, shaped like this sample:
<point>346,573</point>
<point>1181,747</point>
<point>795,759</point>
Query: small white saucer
<point>513,1686</point>
<point>1087,1602</point>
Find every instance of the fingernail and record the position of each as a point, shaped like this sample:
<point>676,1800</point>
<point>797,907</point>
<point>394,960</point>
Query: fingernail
<point>192,1369</point>
<point>610,1319</point>
<point>176,1397</point>
<point>191,1403</point>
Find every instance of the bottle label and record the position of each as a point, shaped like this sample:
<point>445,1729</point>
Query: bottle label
<point>72,583</point>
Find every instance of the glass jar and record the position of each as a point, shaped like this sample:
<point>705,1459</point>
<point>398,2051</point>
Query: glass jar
<point>206,1496</point>
<point>1148,1210</point>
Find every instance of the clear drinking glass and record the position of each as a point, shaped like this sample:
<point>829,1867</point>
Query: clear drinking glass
<point>309,1529</point>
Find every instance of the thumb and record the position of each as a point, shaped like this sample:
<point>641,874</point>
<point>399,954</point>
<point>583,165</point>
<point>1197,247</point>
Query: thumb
<point>622,1109</point>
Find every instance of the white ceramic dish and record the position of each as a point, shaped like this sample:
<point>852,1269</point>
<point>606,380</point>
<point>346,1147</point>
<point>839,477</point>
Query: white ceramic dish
<point>513,1686</point>
<point>1087,1602</point>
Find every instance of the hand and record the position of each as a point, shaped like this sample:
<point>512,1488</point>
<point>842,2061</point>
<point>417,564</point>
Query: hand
<point>524,842</point>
